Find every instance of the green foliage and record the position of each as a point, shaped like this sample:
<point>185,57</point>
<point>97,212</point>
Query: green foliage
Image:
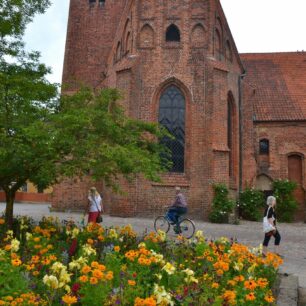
<point>14,16</point>
<point>12,281</point>
<point>286,204</point>
<point>250,204</point>
<point>222,206</point>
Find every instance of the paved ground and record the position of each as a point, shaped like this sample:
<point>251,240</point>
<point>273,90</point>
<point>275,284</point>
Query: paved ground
<point>293,244</point>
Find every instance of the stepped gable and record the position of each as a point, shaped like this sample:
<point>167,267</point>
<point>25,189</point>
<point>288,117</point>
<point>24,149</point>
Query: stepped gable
<point>279,81</point>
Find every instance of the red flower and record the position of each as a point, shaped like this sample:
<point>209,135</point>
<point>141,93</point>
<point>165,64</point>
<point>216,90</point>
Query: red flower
<point>75,288</point>
<point>73,247</point>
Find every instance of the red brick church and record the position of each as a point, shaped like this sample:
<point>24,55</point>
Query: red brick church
<point>237,118</point>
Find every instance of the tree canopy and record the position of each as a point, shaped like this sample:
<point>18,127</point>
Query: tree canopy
<point>45,137</point>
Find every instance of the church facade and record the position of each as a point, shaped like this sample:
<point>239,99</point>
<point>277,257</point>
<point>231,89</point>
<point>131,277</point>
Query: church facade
<point>239,119</point>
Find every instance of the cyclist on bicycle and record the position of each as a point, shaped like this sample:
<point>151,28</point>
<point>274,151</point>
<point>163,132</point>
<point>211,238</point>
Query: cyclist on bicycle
<point>177,209</point>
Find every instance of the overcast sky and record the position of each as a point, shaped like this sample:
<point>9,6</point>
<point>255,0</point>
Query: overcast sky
<point>256,25</point>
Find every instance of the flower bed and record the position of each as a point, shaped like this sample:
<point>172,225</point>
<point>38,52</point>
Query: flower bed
<point>48,264</point>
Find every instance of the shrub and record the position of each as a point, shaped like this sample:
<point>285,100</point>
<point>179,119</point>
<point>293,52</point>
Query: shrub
<point>286,204</point>
<point>222,206</point>
<point>250,203</point>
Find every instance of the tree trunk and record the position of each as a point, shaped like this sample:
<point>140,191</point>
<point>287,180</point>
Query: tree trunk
<point>10,198</point>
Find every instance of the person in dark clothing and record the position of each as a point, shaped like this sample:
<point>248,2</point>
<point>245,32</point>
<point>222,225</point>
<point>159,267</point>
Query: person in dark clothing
<point>178,208</point>
<point>271,215</point>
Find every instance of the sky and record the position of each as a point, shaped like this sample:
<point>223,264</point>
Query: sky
<point>256,26</point>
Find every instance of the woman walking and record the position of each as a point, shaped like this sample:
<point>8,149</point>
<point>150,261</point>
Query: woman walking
<point>95,206</point>
<point>271,215</point>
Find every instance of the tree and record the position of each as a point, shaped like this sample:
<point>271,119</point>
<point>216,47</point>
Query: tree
<point>44,138</point>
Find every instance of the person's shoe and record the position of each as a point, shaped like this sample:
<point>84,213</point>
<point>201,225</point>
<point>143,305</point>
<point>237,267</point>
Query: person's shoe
<point>281,256</point>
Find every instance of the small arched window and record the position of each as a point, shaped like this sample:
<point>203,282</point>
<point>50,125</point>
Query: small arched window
<point>264,147</point>
<point>173,33</point>
<point>172,117</point>
<point>101,2</point>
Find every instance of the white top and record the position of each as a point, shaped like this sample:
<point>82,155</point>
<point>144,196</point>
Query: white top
<point>95,203</point>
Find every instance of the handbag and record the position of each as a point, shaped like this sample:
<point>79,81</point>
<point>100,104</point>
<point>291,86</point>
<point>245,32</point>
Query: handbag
<point>99,218</point>
<point>267,226</point>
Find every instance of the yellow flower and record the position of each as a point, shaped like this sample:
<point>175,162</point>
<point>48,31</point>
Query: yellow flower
<point>69,300</point>
<point>169,268</point>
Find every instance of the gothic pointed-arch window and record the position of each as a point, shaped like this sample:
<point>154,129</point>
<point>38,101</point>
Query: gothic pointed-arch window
<point>172,117</point>
<point>173,33</point>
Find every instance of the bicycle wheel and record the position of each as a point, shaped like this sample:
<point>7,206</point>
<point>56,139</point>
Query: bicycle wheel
<point>161,223</point>
<point>187,228</point>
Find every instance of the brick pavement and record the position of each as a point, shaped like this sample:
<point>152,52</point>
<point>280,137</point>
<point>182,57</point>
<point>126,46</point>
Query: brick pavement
<point>293,244</point>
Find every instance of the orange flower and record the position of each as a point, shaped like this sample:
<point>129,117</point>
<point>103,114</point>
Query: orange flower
<point>93,280</point>
<point>69,300</point>
<point>250,284</point>
<point>220,272</point>
<point>229,296</point>
<point>250,296</point>
<point>16,262</point>
<point>131,282</point>
<point>94,264</point>
<point>97,273</point>
<point>86,269</point>
<point>262,282</point>
<point>269,298</point>
<point>214,285</point>
<point>90,241</point>
<point>101,267</point>
<point>2,221</point>
<point>83,278</point>
<point>109,275</point>
<point>117,248</point>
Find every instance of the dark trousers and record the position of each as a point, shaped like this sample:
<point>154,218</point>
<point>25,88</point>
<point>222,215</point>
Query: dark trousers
<point>175,212</point>
<point>277,238</point>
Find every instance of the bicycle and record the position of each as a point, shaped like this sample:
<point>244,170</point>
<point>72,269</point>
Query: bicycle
<point>184,227</point>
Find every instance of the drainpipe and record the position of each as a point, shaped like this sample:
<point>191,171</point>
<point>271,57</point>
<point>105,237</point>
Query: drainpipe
<point>240,101</point>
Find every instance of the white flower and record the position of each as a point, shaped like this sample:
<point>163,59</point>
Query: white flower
<point>28,236</point>
<point>15,245</point>
<point>57,267</point>
<point>51,281</point>
<point>162,296</point>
